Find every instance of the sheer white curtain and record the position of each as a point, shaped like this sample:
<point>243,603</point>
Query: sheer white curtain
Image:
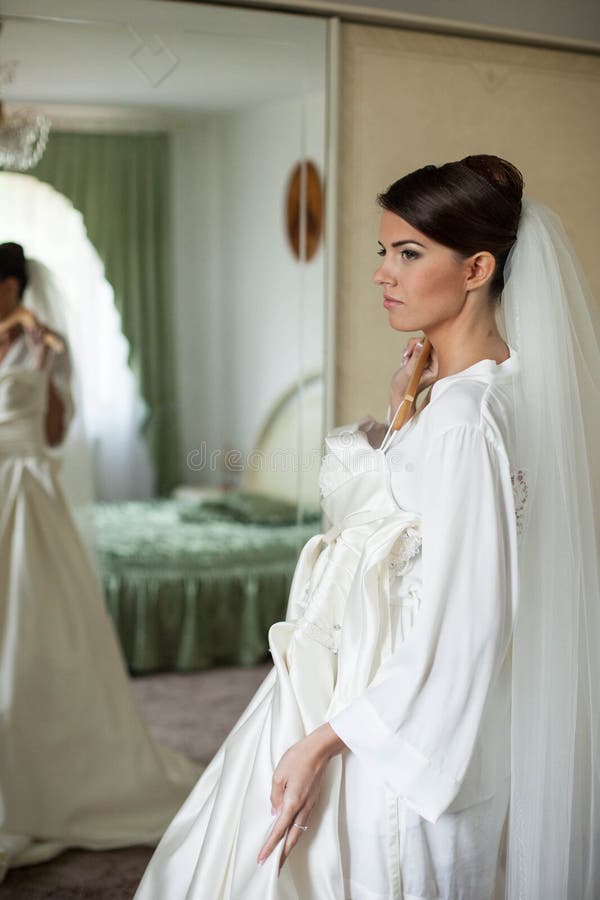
<point>111,410</point>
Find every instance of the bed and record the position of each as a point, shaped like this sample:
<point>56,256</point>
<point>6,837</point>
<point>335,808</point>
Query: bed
<point>196,581</point>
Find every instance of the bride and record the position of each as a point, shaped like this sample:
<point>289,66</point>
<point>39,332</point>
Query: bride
<point>77,765</point>
<point>429,728</point>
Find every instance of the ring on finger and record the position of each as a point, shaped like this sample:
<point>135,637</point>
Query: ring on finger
<point>297,825</point>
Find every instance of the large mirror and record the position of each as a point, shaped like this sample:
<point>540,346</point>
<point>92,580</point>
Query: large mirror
<point>177,209</point>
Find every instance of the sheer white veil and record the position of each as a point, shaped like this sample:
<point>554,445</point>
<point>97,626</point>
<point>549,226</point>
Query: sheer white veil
<point>551,318</point>
<point>43,296</point>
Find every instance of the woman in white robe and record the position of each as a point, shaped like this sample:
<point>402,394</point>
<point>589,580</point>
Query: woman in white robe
<point>78,767</point>
<point>381,739</point>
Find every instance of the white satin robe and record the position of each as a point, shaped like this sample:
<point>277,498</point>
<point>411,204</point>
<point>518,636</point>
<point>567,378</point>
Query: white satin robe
<point>398,633</point>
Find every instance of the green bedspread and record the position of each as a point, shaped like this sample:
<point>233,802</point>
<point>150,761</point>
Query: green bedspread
<point>189,586</point>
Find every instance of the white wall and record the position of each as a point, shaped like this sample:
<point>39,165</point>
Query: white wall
<point>272,304</point>
<point>196,153</point>
<point>249,318</point>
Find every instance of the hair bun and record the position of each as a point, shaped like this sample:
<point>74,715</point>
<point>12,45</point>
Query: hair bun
<point>467,205</point>
<point>13,251</point>
<point>498,172</point>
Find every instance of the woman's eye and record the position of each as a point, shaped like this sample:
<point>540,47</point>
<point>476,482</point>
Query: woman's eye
<point>411,254</point>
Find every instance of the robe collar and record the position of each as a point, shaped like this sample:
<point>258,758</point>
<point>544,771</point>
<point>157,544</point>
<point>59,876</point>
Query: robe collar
<point>484,370</point>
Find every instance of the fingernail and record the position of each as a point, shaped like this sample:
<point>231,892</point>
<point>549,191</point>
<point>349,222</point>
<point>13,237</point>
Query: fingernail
<point>273,810</point>
<point>419,345</point>
<point>261,862</point>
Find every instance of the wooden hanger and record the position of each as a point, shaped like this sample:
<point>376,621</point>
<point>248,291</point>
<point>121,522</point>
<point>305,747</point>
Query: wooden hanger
<point>23,316</point>
<point>404,408</point>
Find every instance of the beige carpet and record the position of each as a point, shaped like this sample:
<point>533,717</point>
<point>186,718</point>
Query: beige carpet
<point>192,713</point>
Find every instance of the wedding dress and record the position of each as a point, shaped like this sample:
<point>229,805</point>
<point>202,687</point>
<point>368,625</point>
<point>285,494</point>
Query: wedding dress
<point>77,765</point>
<point>398,633</point>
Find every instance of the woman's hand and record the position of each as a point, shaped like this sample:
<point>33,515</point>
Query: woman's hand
<point>401,378</point>
<point>295,787</point>
<point>36,339</point>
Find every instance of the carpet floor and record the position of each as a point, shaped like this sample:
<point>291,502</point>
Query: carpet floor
<point>192,713</point>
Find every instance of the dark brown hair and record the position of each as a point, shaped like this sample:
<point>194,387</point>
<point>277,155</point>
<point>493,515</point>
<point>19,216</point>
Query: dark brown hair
<point>13,264</point>
<point>470,205</point>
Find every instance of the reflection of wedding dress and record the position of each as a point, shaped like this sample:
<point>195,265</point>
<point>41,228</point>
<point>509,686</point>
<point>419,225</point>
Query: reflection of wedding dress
<point>399,637</point>
<point>77,765</point>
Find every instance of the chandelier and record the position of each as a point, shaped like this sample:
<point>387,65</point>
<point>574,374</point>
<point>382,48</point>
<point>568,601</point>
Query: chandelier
<point>23,134</point>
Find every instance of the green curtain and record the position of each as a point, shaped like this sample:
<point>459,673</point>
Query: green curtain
<point>120,184</point>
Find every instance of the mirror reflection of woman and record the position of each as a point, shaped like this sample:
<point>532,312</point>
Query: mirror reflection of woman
<point>429,727</point>
<point>77,765</point>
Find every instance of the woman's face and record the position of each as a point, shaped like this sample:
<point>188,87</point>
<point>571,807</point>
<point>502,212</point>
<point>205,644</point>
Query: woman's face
<point>9,296</point>
<point>423,282</point>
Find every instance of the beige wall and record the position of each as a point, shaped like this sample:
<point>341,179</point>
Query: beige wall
<point>412,98</point>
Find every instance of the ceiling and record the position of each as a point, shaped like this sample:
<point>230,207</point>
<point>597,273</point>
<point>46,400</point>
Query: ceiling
<point>194,61</point>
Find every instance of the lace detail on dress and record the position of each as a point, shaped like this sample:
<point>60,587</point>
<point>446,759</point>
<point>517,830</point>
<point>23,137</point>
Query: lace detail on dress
<point>327,637</point>
<point>332,474</point>
<point>408,545</point>
<point>520,491</point>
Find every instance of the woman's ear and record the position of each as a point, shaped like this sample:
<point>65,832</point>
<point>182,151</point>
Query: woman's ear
<point>479,270</point>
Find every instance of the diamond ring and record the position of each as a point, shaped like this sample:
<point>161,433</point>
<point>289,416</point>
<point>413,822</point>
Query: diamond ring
<point>303,827</point>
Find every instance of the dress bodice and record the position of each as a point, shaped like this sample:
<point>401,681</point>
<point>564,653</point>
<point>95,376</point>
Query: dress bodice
<point>354,479</point>
<point>22,409</point>
<point>371,538</point>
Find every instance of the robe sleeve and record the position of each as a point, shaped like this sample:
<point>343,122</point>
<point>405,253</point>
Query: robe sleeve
<point>417,723</point>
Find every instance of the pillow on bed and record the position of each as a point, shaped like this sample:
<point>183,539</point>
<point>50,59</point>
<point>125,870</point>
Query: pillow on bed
<point>255,509</point>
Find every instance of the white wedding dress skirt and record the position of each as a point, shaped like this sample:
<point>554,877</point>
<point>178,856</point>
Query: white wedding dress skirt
<point>78,767</point>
